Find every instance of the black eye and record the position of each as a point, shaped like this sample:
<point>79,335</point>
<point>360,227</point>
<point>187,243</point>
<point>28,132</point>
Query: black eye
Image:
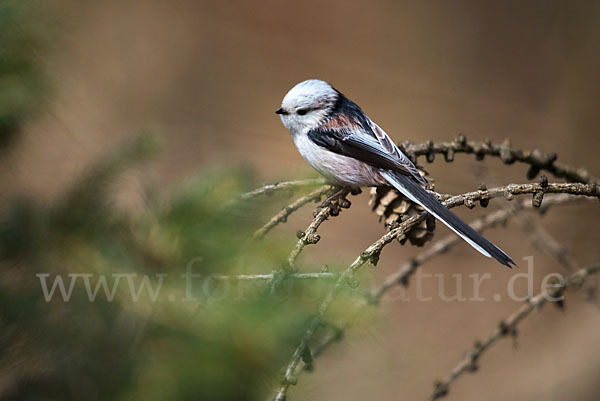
<point>301,112</point>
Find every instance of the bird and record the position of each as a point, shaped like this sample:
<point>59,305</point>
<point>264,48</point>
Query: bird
<point>335,136</point>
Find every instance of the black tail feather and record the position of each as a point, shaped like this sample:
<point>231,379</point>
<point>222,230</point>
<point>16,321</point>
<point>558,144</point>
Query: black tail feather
<point>417,194</point>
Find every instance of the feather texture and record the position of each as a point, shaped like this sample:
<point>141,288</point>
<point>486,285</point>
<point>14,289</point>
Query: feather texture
<point>337,138</point>
<point>419,195</point>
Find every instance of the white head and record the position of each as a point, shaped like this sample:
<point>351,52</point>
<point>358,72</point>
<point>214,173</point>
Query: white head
<point>307,105</point>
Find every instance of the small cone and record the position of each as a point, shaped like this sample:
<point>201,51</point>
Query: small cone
<point>392,207</point>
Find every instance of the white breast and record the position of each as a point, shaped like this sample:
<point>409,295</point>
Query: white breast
<point>337,168</point>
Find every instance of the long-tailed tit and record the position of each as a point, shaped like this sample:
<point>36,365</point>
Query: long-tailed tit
<point>337,138</point>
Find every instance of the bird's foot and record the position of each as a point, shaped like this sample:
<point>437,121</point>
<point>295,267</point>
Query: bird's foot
<point>338,200</point>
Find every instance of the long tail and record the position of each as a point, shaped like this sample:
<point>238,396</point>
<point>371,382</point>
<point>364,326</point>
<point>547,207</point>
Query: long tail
<point>415,193</point>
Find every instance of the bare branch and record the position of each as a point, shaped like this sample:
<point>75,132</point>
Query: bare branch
<point>331,207</point>
<point>309,236</point>
<point>262,277</point>
<point>544,241</point>
<point>509,192</point>
<point>499,217</point>
<point>402,275</point>
<point>508,327</point>
<point>280,186</point>
<point>536,159</point>
<point>282,216</point>
<point>372,253</point>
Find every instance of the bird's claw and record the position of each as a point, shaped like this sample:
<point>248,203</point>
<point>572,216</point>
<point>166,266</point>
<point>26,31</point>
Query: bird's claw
<point>337,201</point>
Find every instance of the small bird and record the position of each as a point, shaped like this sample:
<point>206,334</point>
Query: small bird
<point>337,138</point>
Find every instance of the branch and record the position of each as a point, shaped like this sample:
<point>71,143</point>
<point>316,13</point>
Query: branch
<point>409,268</point>
<point>469,199</point>
<point>269,189</point>
<point>508,327</point>
<point>331,207</point>
<point>282,216</point>
<point>536,159</point>
<point>261,277</point>
<point>303,351</point>
<point>499,217</point>
<point>309,236</point>
<point>544,241</point>
<point>371,254</point>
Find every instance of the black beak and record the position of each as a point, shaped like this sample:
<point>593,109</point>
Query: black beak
<point>280,111</point>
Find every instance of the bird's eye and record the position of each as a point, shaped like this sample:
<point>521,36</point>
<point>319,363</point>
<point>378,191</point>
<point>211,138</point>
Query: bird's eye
<point>301,112</point>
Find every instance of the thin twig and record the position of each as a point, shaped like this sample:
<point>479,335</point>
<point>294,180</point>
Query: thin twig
<point>289,376</point>
<point>286,185</point>
<point>309,236</point>
<point>540,237</point>
<point>401,276</point>
<point>372,253</point>
<point>282,216</point>
<point>508,327</point>
<point>536,159</point>
<point>498,217</point>
<point>271,276</point>
<point>546,242</point>
<point>469,198</point>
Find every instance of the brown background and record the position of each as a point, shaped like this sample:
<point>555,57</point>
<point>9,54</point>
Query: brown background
<point>211,74</point>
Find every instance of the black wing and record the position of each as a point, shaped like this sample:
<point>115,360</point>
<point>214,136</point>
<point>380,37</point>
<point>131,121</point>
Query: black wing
<point>364,141</point>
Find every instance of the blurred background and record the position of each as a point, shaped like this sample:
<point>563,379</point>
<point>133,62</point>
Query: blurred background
<point>125,126</point>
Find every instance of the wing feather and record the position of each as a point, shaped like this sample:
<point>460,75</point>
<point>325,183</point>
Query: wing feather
<point>355,135</point>
<point>389,145</point>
